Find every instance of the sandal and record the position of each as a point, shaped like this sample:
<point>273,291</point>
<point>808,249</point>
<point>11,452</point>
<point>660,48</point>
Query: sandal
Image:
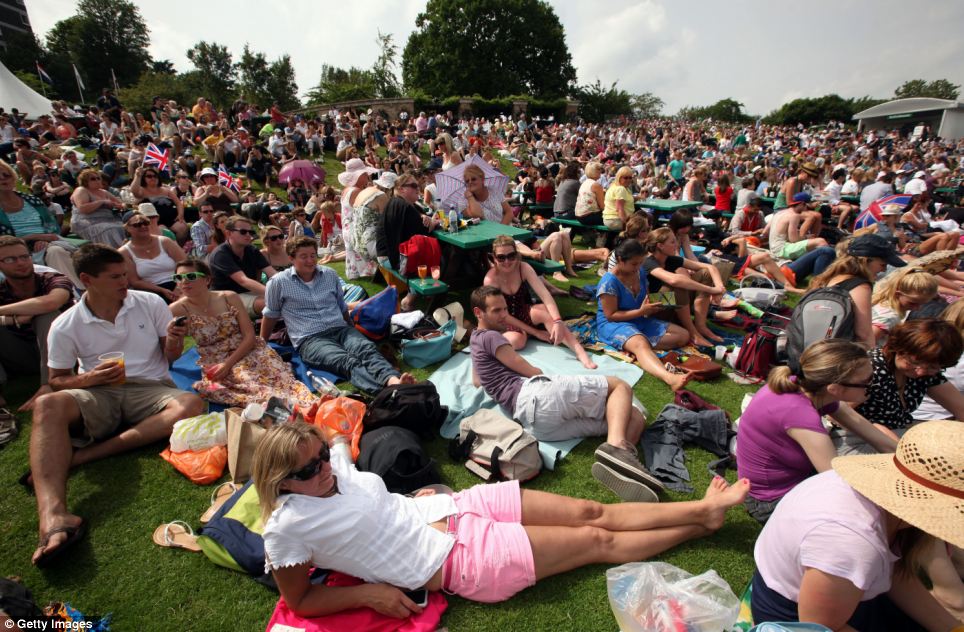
<point>220,496</point>
<point>8,427</point>
<point>74,535</point>
<point>176,535</point>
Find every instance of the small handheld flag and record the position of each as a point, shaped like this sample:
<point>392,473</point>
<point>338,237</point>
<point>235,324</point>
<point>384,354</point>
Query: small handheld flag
<point>156,157</point>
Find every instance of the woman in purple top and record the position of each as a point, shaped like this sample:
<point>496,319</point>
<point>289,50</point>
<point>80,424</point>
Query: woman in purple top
<point>782,440</point>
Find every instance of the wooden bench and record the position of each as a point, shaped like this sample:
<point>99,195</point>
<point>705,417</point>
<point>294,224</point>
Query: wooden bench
<point>575,223</point>
<point>548,266</point>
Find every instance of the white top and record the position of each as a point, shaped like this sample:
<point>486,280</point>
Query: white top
<point>824,524</point>
<point>78,334</point>
<point>363,530</point>
<point>929,409</point>
<point>833,191</point>
<point>158,270</point>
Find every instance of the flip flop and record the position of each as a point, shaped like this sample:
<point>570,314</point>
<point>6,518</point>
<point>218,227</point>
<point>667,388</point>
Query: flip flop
<point>74,535</point>
<point>220,496</point>
<point>176,535</point>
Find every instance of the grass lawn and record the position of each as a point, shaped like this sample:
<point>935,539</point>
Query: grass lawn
<point>117,568</point>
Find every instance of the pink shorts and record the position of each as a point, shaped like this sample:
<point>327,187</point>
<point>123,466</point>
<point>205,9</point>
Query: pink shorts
<point>492,556</point>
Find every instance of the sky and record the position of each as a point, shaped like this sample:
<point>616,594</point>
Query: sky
<point>688,52</point>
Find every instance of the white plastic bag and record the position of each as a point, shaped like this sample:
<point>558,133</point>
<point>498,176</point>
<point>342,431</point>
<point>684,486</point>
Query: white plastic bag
<point>658,597</point>
<point>199,433</point>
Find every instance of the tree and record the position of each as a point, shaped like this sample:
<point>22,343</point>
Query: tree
<point>281,84</point>
<point>646,105</point>
<point>830,107</point>
<point>33,82</point>
<point>104,35</point>
<point>937,89</point>
<point>23,51</point>
<point>216,72</point>
<point>383,72</point>
<point>598,103</point>
<point>488,47</point>
<point>253,77</point>
<point>139,96</point>
<point>337,84</point>
<point>163,66</point>
<point>726,110</point>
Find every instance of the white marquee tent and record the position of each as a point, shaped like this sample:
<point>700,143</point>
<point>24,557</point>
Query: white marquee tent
<point>16,94</point>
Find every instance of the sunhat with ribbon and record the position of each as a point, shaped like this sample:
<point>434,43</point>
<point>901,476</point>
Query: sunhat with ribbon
<point>353,170</point>
<point>922,483</point>
<point>452,311</point>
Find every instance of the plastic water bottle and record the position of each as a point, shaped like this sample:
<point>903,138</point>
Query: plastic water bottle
<point>453,219</point>
<point>323,386</point>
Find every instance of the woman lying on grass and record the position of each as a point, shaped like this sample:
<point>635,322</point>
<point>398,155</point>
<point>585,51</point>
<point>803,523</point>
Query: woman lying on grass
<point>485,543</point>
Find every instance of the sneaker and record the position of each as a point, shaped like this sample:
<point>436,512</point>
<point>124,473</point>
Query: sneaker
<point>626,462</point>
<point>626,488</point>
<point>790,275</point>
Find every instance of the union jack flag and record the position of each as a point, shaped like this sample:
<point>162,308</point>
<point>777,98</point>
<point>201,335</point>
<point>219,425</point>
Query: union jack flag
<point>874,212</point>
<point>225,179</point>
<point>156,157</point>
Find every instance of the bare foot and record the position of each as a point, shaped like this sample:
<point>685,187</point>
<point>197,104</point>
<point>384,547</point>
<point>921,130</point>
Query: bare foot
<point>571,272</point>
<point>28,405</point>
<point>724,315</point>
<point>407,378</point>
<point>54,541</point>
<point>586,360</point>
<point>720,496</point>
<point>709,335</point>
<point>678,381</point>
<point>699,341</point>
<point>729,303</point>
<point>559,276</point>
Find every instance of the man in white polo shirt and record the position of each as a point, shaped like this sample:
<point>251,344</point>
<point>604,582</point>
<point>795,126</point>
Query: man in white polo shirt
<point>80,420</point>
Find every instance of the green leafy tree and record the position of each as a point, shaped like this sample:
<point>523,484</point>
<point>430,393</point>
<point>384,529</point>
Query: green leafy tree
<point>646,105</point>
<point>254,75</point>
<point>281,84</point>
<point>599,103</point>
<point>337,84</point>
<point>163,66</point>
<point>138,96</point>
<point>23,51</point>
<point>103,35</point>
<point>33,82</point>
<point>216,72</point>
<point>488,47</point>
<point>384,71</point>
<point>726,110</point>
<point>937,89</point>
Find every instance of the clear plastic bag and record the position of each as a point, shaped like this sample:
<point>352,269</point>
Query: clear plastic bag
<point>658,597</point>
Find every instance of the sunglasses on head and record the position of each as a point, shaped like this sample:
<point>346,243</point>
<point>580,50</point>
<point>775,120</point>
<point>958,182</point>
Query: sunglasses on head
<point>188,276</point>
<point>245,231</point>
<point>314,466</point>
<point>509,256</point>
<point>274,237</point>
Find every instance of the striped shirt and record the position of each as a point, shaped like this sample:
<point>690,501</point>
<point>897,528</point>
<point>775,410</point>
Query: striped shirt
<point>307,308</point>
<point>201,233</point>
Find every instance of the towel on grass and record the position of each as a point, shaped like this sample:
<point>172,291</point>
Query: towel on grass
<point>454,383</point>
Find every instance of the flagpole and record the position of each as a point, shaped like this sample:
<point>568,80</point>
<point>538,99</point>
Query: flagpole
<point>43,88</point>
<point>79,88</point>
<point>114,77</point>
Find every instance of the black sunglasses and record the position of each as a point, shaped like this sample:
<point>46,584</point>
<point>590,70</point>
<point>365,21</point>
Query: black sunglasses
<point>245,231</point>
<point>314,466</point>
<point>863,386</point>
<point>274,237</point>
<point>188,276</point>
<point>509,256</point>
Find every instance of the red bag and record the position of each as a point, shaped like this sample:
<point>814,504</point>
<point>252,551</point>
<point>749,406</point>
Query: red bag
<point>758,353</point>
<point>202,467</point>
<point>420,250</point>
<point>343,415</point>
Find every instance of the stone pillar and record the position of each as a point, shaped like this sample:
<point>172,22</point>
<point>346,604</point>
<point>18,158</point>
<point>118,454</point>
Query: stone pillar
<point>465,107</point>
<point>572,107</point>
<point>519,107</point>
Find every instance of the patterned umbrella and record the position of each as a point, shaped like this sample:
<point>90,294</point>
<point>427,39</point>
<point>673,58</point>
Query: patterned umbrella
<point>451,187</point>
<point>303,170</point>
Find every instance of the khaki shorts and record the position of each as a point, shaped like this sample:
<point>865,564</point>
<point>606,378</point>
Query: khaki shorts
<point>248,299</point>
<point>794,250</point>
<point>104,409</point>
<point>560,407</point>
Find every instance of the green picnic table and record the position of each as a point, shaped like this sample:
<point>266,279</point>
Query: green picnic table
<point>851,199</point>
<point>480,235</point>
<point>664,207</point>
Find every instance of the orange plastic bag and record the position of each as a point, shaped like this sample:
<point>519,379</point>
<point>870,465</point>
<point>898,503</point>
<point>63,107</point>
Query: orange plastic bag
<point>344,415</point>
<point>202,467</point>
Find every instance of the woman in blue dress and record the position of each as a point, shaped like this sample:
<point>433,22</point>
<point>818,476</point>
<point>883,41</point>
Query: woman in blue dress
<point>624,316</point>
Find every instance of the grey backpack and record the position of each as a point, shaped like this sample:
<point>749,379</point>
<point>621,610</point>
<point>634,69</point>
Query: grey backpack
<point>496,448</point>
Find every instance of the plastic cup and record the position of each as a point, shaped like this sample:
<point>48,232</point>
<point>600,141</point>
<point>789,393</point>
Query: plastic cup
<point>117,357</point>
<point>422,272</point>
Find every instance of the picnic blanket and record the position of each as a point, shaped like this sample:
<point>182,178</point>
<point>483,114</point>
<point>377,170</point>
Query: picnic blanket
<point>454,383</point>
<point>185,371</point>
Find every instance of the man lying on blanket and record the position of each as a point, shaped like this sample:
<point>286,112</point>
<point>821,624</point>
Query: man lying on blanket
<point>558,407</point>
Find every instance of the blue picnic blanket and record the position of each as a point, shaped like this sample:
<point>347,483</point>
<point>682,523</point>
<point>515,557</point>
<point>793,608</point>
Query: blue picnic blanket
<point>454,383</point>
<point>185,371</point>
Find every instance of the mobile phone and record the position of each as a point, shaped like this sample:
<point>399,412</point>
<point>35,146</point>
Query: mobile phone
<point>179,321</point>
<point>420,597</point>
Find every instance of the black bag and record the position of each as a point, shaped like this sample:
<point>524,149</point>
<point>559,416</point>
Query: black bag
<point>17,601</point>
<point>396,455</point>
<point>413,406</point>
<point>826,312</point>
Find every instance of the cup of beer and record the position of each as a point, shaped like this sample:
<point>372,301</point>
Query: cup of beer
<point>117,357</point>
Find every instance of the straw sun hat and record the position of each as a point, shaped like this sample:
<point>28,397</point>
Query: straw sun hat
<point>922,483</point>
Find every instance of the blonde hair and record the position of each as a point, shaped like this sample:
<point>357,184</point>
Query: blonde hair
<point>446,140</point>
<point>593,170</point>
<point>5,165</point>
<point>474,170</point>
<point>658,237</point>
<point>954,314</point>
<point>845,265</point>
<point>910,280</point>
<point>635,225</point>
<point>823,363</point>
<point>622,173</point>
<point>503,240</point>
<point>276,457</point>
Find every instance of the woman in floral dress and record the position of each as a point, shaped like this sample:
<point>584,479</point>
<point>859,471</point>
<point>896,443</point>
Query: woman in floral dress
<point>354,179</point>
<point>237,367</point>
<point>368,209</point>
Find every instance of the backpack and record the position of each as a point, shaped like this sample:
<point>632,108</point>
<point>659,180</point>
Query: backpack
<point>396,455</point>
<point>419,250</point>
<point>373,316</point>
<point>826,312</point>
<point>416,407</point>
<point>758,353</point>
<point>496,448</point>
<point>233,537</point>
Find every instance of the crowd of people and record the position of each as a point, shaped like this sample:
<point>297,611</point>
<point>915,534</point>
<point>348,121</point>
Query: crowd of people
<point>103,251</point>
